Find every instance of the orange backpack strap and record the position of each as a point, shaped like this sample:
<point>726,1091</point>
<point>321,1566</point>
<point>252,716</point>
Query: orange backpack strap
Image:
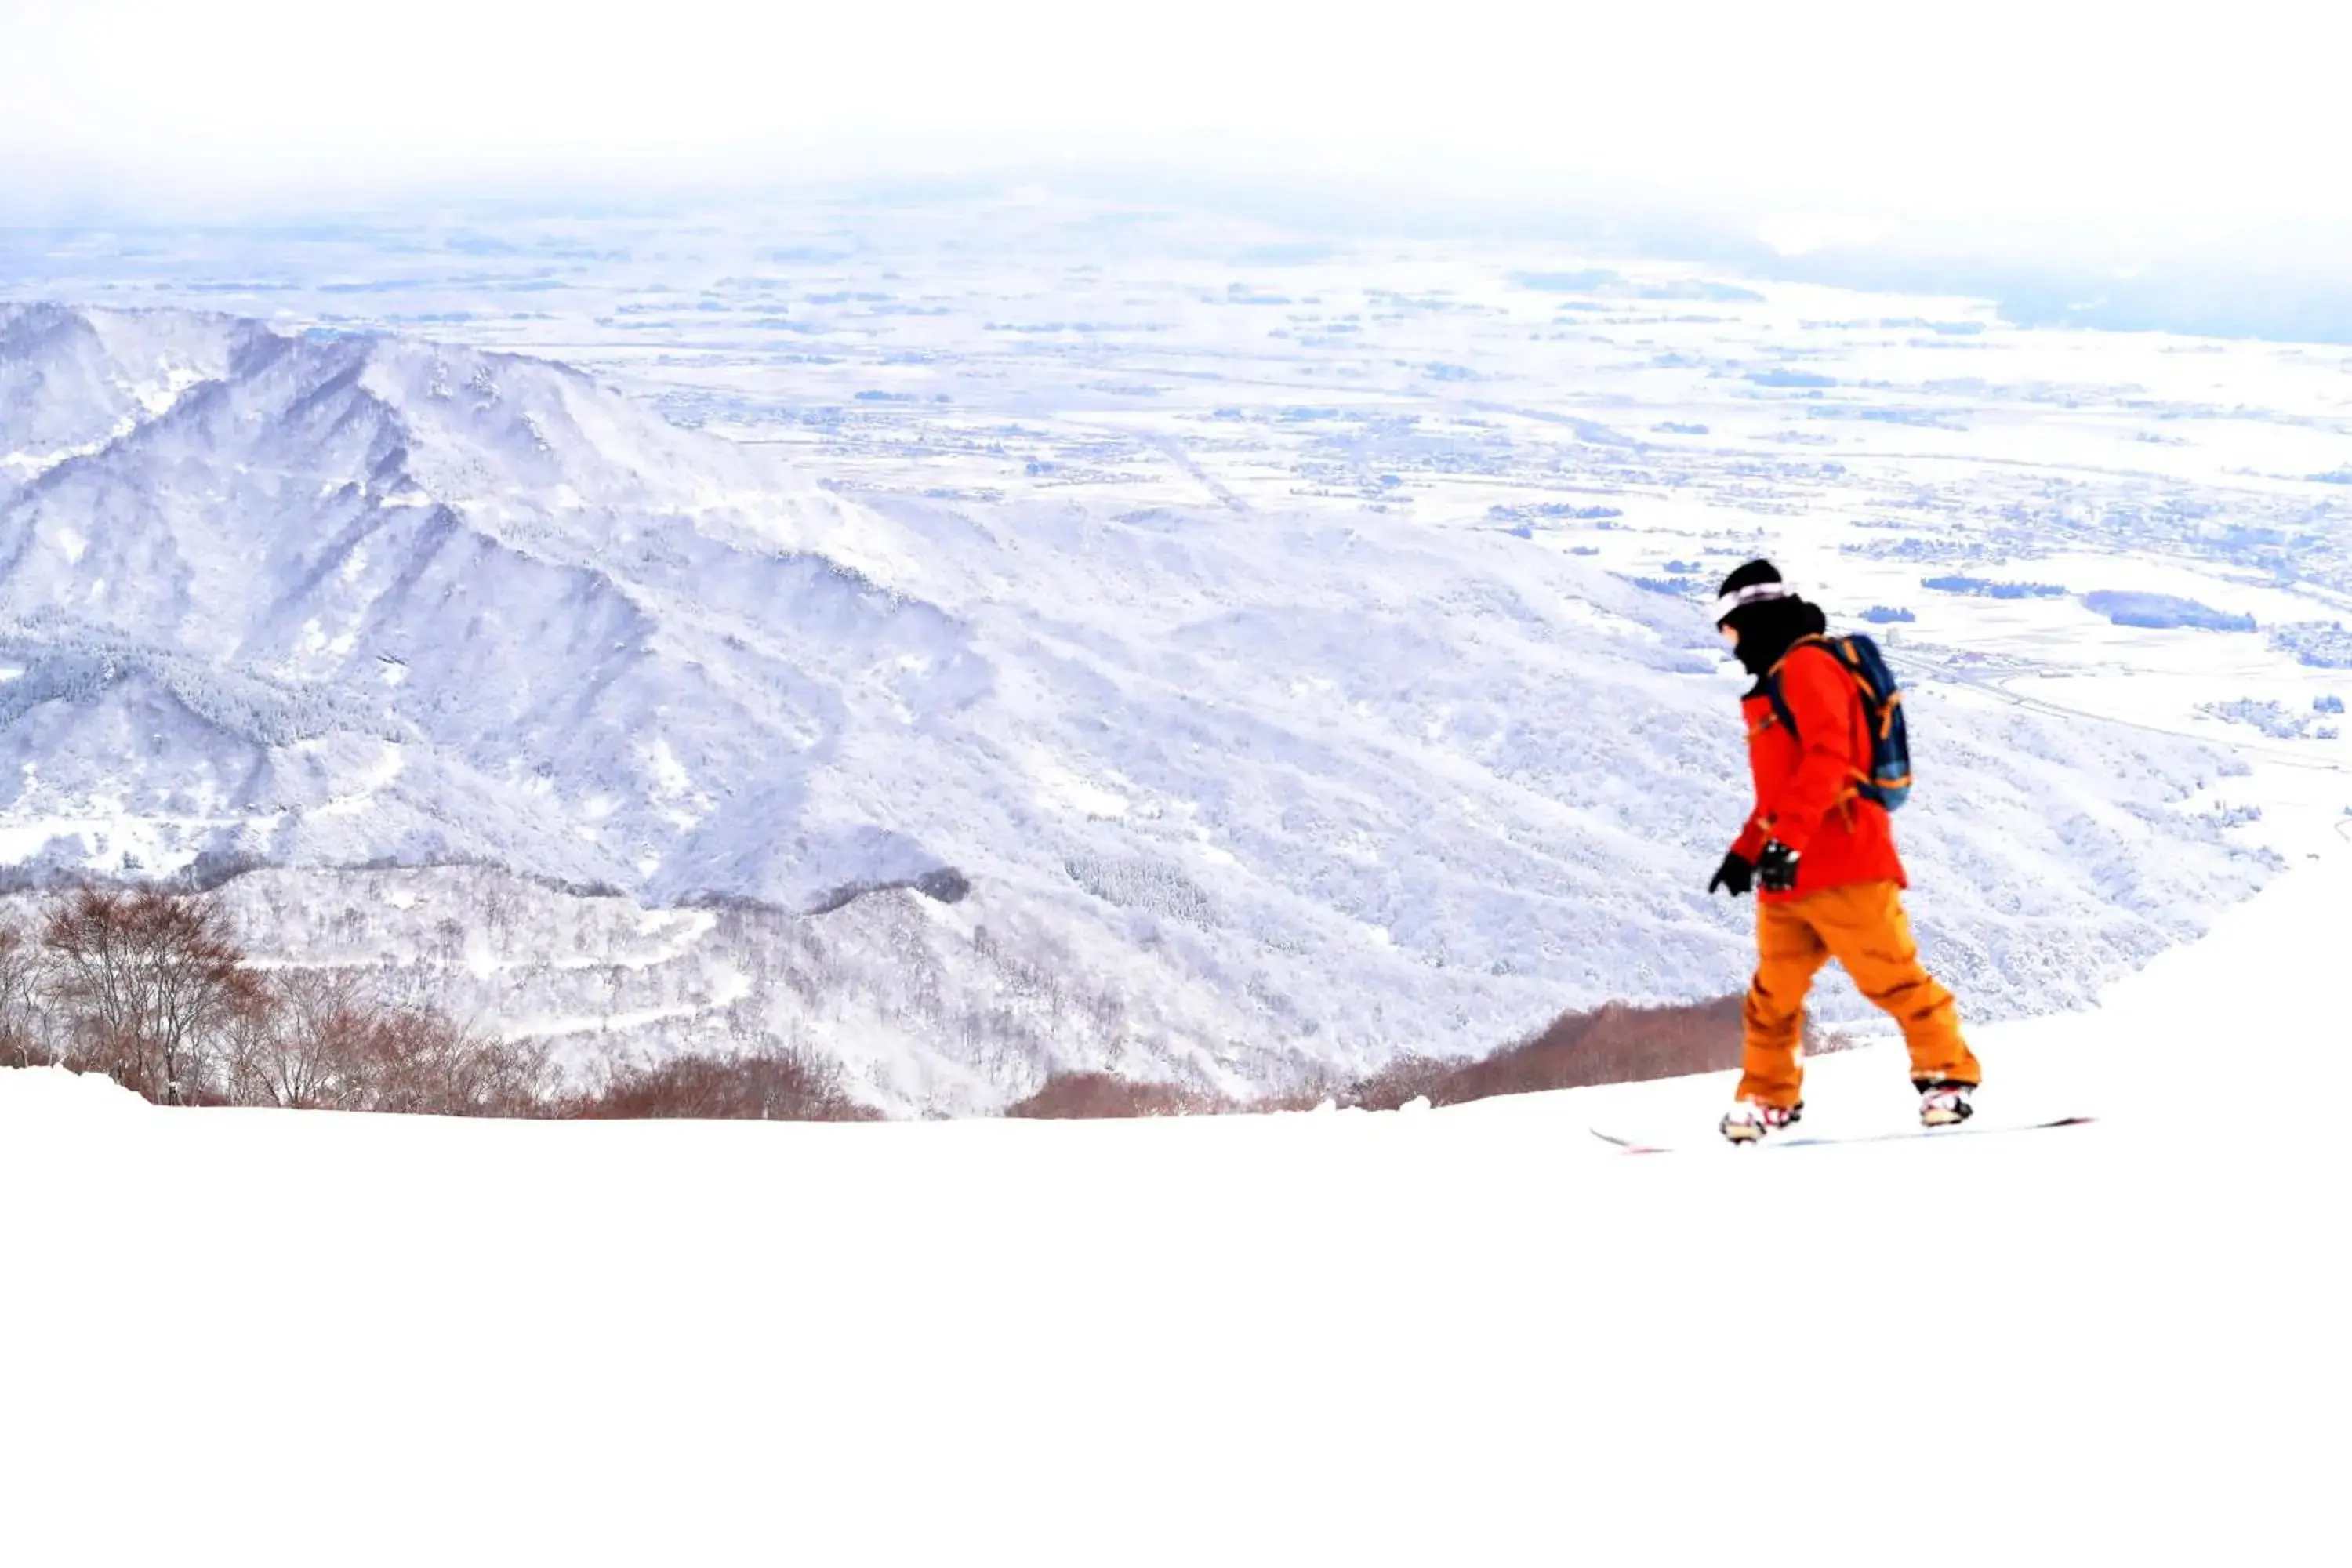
<point>1771,682</point>
<point>1858,780</point>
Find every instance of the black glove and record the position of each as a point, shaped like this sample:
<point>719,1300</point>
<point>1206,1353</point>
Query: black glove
<point>1735,876</point>
<point>1776,868</point>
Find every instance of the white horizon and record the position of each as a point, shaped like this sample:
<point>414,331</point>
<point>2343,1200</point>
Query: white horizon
<point>1848,122</point>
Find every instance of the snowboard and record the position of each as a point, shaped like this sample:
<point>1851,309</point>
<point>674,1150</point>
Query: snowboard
<point>1825,1140</point>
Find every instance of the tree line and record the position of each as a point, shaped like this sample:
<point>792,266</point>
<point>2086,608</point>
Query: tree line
<point>154,989</point>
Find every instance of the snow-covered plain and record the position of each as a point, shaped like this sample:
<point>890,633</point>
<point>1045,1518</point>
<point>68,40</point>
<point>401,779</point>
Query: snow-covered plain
<point>1474,1335</point>
<point>1252,624</point>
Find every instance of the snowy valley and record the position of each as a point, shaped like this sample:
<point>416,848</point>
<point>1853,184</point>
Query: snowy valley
<point>1168,653</point>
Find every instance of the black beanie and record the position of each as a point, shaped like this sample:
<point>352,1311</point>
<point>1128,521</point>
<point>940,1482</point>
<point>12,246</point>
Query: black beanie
<point>1756,573</point>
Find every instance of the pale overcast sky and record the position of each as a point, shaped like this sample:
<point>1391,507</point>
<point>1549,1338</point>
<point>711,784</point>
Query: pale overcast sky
<point>2209,114</point>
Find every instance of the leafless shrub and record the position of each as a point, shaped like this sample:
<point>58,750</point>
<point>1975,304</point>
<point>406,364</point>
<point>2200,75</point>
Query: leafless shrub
<point>304,1050</point>
<point>774,1084</point>
<point>1101,1094</point>
<point>1613,1044</point>
<point>422,1062</point>
<point>325,1041</point>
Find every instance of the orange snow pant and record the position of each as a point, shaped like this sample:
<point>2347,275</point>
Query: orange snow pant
<point>1863,926</point>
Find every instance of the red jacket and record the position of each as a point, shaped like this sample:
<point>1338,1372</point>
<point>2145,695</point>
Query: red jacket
<point>1804,790</point>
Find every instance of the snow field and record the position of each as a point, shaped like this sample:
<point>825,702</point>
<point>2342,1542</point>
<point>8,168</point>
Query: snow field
<point>1476,1335</point>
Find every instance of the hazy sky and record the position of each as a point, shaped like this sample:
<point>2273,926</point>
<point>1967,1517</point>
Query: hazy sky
<point>1825,114</point>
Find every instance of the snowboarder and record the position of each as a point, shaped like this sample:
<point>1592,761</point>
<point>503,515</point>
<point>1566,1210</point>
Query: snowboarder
<point>1819,848</point>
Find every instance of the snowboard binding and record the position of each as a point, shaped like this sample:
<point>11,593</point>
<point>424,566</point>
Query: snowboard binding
<point>1943,1103</point>
<point>1749,1122</point>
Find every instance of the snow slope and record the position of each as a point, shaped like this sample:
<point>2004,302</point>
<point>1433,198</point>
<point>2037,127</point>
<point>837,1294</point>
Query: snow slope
<point>1474,1335</point>
<point>1267,787</point>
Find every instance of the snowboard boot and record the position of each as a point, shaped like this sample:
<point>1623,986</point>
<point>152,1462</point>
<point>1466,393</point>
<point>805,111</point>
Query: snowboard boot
<point>1748,1121</point>
<point>1943,1103</point>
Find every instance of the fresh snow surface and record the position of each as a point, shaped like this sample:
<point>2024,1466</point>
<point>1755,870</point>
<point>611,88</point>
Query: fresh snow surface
<point>1474,1335</point>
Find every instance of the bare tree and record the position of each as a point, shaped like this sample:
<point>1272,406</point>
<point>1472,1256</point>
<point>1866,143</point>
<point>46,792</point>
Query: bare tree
<point>22,1040</point>
<point>149,985</point>
<point>423,1062</point>
<point>328,1041</point>
<point>306,1050</point>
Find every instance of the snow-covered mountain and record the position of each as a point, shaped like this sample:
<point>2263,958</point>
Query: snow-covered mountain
<point>1184,791</point>
<point>359,598</point>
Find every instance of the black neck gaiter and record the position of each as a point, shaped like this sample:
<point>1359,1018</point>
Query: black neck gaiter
<point>1769,628</point>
